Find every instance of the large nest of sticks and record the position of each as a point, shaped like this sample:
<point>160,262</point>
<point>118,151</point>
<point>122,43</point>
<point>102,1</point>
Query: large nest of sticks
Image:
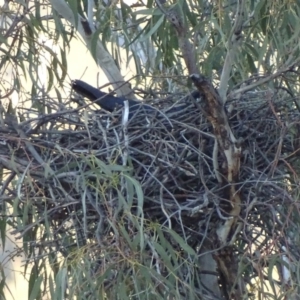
<point>80,168</point>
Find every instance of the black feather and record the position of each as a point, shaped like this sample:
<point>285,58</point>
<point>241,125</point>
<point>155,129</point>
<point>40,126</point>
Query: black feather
<point>110,102</point>
<point>104,100</point>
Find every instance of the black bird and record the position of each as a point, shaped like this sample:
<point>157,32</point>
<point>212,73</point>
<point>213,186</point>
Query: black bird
<point>104,100</point>
<point>110,102</point>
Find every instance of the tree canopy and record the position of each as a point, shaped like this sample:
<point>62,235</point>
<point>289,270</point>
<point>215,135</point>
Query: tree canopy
<point>194,195</point>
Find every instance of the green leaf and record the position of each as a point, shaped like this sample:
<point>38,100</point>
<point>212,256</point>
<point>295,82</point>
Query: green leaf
<point>3,40</point>
<point>164,256</point>
<point>127,237</point>
<point>50,79</point>
<point>64,64</point>
<point>58,94</point>
<point>153,29</point>
<point>138,190</point>
<point>52,288</point>
<point>94,43</point>
<point>3,230</point>
<point>271,269</point>
<point>148,12</point>
<point>35,281</point>
<point>182,243</point>
<point>60,281</point>
<point>251,64</point>
<point>74,7</point>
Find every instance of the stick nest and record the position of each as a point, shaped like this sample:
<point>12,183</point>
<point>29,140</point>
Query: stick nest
<point>80,168</point>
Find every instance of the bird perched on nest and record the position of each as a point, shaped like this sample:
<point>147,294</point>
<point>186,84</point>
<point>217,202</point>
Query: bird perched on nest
<point>105,100</point>
<point>111,103</point>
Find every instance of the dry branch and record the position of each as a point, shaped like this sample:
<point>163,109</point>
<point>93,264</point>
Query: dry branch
<point>170,154</point>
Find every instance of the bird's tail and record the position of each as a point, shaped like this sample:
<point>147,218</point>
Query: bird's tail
<point>87,90</point>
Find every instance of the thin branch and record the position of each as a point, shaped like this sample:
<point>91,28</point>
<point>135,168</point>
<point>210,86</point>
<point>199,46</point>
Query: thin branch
<point>249,87</point>
<point>187,49</point>
<point>233,42</point>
